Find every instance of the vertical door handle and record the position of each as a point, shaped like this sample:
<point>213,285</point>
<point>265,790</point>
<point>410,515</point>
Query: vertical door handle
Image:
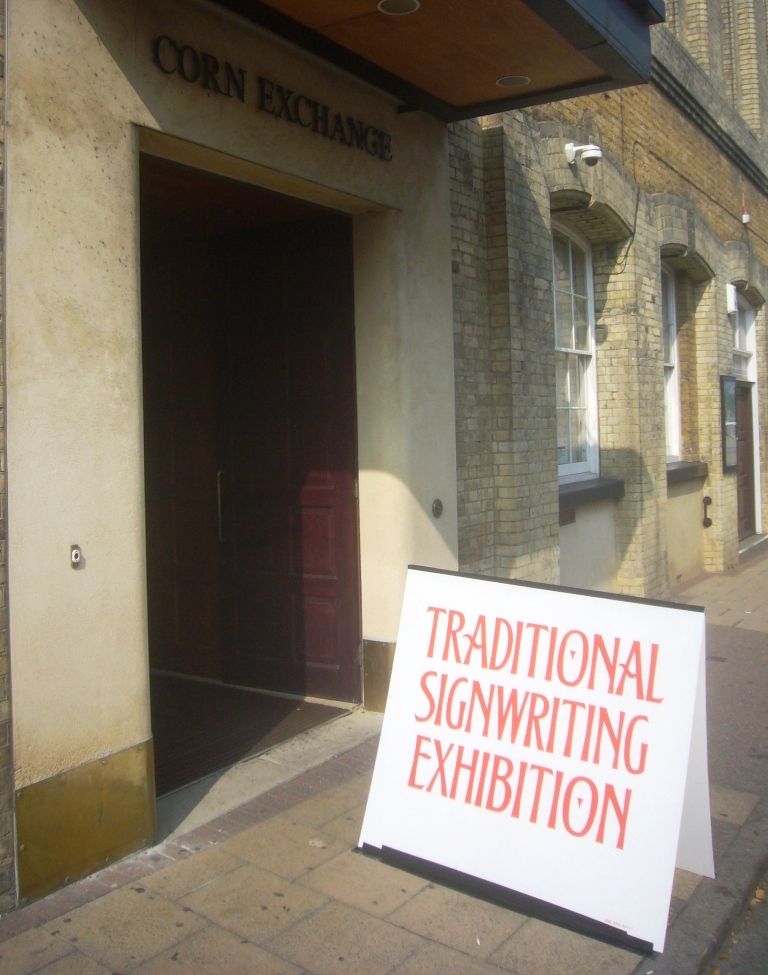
<point>219,505</point>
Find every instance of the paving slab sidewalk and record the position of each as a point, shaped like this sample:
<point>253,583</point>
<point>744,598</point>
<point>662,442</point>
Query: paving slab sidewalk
<point>262,876</point>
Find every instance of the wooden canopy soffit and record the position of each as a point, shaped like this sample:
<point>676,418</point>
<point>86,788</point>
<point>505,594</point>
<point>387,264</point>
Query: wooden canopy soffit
<point>448,57</point>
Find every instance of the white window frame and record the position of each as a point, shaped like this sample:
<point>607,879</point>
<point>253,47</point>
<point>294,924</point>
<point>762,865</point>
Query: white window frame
<point>671,363</point>
<point>742,318</point>
<point>590,466</point>
<point>742,314</point>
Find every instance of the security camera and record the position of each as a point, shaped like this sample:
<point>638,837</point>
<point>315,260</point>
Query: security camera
<point>589,154</point>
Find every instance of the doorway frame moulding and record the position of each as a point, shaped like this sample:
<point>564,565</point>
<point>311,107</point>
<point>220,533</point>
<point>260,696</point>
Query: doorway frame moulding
<point>219,163</point>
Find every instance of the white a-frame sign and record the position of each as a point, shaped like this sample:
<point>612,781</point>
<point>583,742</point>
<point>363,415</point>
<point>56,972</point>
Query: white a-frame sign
<point>548,741</point>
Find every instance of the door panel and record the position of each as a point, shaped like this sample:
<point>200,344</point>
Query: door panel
<point>291,556</point>
<point>250,454</point>
<point>745,466</point>
<point>180,451</point>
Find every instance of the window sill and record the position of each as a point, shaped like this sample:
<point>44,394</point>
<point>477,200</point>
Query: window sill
<point>573,494</point>
<point>679,471</point>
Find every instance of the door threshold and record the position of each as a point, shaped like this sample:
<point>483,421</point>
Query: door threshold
<point>752,545</point>
<point>196,804</point>
<point>213,682</point>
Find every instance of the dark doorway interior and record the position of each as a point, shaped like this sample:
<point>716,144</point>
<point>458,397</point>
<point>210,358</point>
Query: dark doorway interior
<point>230,724</point>
<point>250,445</point>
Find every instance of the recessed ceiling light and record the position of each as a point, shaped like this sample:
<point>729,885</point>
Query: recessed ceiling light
<point>513,81</point>
<point>397,8</point>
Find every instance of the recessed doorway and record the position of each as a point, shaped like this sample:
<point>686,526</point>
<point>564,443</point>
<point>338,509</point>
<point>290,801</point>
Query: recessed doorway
<point>250,453</point>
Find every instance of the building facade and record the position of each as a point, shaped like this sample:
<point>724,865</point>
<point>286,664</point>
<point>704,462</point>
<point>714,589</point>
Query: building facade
<point>610,322</point>
<point>293,300</point>
<point>229,362</point>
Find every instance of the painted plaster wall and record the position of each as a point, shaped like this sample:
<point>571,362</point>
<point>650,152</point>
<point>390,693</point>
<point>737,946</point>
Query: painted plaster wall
<point>81,80</point>
<point>7,859</point>
<point>683,517</point>
<point>588,558</point>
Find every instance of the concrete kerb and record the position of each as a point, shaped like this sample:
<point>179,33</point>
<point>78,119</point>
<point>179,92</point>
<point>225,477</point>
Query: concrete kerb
<point>698,931</point>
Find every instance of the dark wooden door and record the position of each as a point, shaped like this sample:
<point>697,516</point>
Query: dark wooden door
<point>745,462</point>
<point>250,457</point>
<point>180,457</point>
<point>288,463</point>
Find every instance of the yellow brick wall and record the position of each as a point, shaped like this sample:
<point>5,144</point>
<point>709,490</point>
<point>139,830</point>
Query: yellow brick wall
<point>664,152</point>
<point>660,163</point>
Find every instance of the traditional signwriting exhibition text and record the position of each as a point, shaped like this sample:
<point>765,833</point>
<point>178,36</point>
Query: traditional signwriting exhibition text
<point>563,724</point>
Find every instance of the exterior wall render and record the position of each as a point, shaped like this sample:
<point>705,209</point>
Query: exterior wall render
<point>401,335</point>
<point>588,549</point>
<point>7,847</point>
<point>683,545</point>
<point>74,353</point>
